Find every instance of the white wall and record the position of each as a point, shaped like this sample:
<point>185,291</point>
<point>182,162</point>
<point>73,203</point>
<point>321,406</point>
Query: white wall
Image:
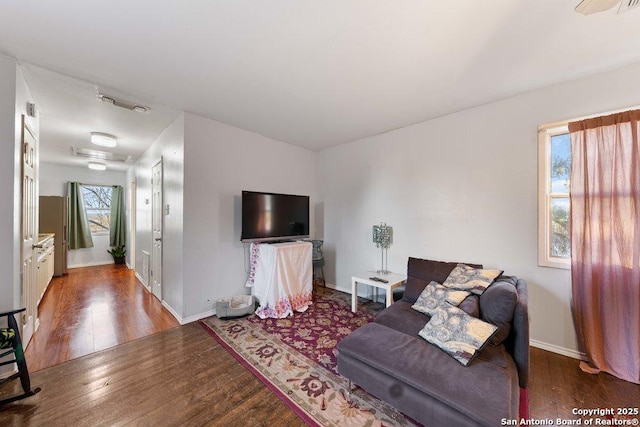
<point>23,96</point>
<point>206,165</point>
<point>170,148</point>
<point>462,188</point>
<point>10,261</point>
<point>14,95</point>
<point>53,182</point>
<point>220,162</point>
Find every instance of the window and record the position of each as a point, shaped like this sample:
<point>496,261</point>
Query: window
<point>97,203</point>
<point>554,168</point>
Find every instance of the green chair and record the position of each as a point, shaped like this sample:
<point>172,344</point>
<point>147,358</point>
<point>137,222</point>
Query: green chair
<point>317,259</point>
<point>10,339</point>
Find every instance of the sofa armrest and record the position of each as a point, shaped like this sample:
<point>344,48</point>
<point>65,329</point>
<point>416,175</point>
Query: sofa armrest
<point>517,343</point>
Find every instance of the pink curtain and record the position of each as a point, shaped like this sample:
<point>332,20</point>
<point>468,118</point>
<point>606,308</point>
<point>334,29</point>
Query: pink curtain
<point>605,242</point>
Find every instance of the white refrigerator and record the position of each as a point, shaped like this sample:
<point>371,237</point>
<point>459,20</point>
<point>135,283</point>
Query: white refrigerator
<point>53,219</point>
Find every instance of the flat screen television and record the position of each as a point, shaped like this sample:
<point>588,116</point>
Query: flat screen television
<point>268,217</point>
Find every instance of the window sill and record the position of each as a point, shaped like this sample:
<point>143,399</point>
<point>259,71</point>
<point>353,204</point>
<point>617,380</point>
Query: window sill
<point>552,263</point>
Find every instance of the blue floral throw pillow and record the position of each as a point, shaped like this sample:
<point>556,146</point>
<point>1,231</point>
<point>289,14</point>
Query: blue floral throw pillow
<point>471,279</point>
<point>435,295</point>
<point>458,334</point>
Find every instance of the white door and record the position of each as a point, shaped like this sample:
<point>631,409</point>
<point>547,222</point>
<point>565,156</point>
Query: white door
<point>28,229</point>
<point>132,224</point>
<point>156,220</point>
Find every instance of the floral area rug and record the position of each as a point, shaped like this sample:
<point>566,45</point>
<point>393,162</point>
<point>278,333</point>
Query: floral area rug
<point>316,332</point>
<point>296,358</point>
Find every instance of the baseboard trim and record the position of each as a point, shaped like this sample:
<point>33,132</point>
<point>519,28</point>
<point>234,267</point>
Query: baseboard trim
<point>363,291</point>
<point>338,288</point>
<point>190,319</point>
<point>139,277</point>
<point>198,316</point>
<point>90,264</point>
<point>173,312</point>
<point>558,350</point>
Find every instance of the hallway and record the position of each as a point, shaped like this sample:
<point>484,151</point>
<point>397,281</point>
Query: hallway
<point>91,309</point>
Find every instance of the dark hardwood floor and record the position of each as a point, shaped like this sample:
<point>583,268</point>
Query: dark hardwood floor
<point>557,386</point>
<point>182,376</point>
<point>91,309</point>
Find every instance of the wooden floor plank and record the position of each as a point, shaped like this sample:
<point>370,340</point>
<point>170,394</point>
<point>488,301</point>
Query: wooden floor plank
<point>183,377</point>
<point>540,399</point>
<point>194,379</point>
<point>91,309</point>
<point>113,370</point>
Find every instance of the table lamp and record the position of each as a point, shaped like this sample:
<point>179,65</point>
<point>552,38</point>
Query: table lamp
<point>382,237</point>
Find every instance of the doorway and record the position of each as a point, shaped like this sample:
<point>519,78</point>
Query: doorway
<point>132,223</point>
<point>157,222</point>
<point>28,230</point>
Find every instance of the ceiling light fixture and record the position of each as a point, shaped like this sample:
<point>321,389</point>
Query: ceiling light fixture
<point>104,139</point>
<point>106,99</point>
<point>100,155</point>
<point>123,104</point>
<point>97,166</point>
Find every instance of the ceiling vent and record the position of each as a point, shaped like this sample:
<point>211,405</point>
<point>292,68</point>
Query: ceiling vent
<point>587,7</point>
<point>628,5</point>
<point>100,155</point>
<point>122,104</point>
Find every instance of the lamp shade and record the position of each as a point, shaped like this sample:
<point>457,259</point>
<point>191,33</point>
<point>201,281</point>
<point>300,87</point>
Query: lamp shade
<point>382,235</point>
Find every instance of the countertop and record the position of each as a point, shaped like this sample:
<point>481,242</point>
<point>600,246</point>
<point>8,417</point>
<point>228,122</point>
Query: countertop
<point>44,236</point>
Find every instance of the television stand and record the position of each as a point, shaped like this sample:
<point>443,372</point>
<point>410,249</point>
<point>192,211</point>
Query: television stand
<point>275,242</point>
<point>281,277</point>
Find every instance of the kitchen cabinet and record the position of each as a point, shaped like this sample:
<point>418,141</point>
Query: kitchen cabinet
<point>46,255</point>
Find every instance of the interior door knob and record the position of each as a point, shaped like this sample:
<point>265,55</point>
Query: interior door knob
<point>158,239</point>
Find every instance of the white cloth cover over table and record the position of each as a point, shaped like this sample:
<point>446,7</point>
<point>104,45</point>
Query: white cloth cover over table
<point>281,275</point>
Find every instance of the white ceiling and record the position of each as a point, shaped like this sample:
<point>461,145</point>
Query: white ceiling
<point>69,111</point>
<point>314,73</point>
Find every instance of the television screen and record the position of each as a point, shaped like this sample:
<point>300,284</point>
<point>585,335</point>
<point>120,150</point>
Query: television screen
<point>272,216</point>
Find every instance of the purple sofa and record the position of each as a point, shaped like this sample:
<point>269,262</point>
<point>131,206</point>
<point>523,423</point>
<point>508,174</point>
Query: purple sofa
<point>388,359</point>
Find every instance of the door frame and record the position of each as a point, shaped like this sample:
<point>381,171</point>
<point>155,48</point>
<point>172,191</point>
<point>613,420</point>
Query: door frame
<point>28,281</point>
<point>157,264</point>
<point>133,206</point>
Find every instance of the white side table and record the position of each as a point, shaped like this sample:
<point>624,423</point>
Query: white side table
<point>393,281</point>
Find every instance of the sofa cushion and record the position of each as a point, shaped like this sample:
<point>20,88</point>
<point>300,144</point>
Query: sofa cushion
<point>497,305</point>
<point>401,317</point>
<point>413,288</point>
<point>422,271</point>
<point>459,335</point>
<point>435,295</point>
<point>471,279</point>
<point>471,305</point>
<point>485,391</point>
